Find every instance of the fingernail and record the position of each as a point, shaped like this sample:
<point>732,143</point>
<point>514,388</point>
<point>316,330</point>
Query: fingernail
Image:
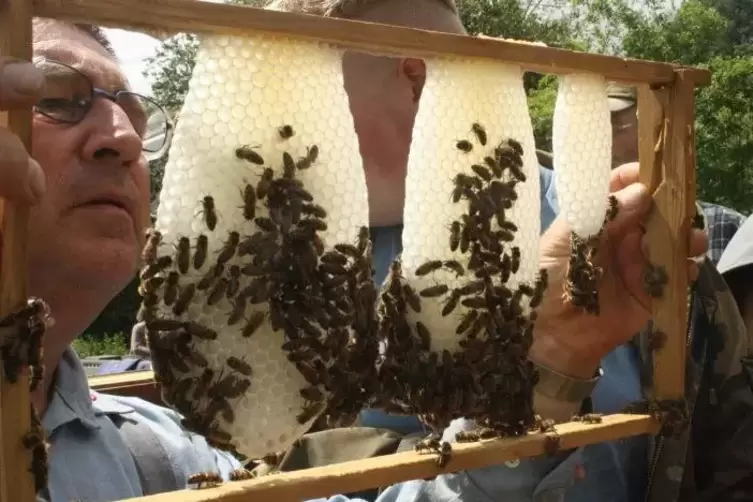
<point>24,77</point>
<point>35,180</point>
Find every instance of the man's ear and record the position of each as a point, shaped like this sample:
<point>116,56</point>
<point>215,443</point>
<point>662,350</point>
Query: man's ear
<point>415,71</point>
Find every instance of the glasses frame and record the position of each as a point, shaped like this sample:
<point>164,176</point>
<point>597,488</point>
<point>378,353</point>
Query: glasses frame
<point>97,92</point>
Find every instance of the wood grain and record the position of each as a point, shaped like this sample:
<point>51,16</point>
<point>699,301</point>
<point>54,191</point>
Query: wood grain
<point>206,17</point>
<point>139,384</point>
<point>667,157</point>
<point>359,475</point>
<point>16,481</point>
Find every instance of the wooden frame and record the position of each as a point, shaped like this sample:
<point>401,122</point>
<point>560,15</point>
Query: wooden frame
<point>667,157</point>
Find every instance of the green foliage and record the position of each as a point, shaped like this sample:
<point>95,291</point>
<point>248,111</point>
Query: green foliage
<point>541,105</point>
<point>692,35</point>
<point>103,344</point>
<point>725,134</point>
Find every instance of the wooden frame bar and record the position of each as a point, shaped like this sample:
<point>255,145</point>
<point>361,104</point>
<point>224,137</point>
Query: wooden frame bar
<point>667,168</point>
<point>16,481</point>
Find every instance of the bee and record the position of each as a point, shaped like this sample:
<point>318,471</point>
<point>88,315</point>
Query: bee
<point>200,331</point>
<point>454,235</point>
<point>454,266</point>
<point>474,302</point>
<point>288,165</point>
<point>262,188</point>
<point>656,340</point>
<point>587,418</point>
<point>314,210</point>
<point>434,291</point>
<point>445,455</point>
<point>552,444</point>
<point>205,479</point>
<point>464,145</point>
<point>253,324</point>
<point>229,248</point>
<point>517,172</point>
<point>241,475</point>
<point>217,291</point>
<point>494,166</point>
<point>515,259</point>
<point>654,279</point>
<point>183,254</point>
<point>613,208</point>
<point>249,202</point>
<point>171,288</point>
<point>312,394</point>
<point>265,224</point>
<point>286,131</point>
<point>423,335</point>
<point>411,298</point>
<point>150,286</point>
<point>149,255</point>
<point>467,322</point>
<point>312,153</point>
<point>200,254</point>
<point>234,273</point>
<point>209,212</point>
<point>428,267</point>
<point>210,277</point>
<point>451,303</point>
<point>480,133</point>
<point>539,289</point>
<point>238,312</point>
<point>155,268</point>
<point>184,298</point>
<point>309,411</point>
<point>247,153</point>
<point>239,365</point>
<point>482,172</point>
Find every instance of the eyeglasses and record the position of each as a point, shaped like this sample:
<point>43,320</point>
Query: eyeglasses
<point>68,96</point>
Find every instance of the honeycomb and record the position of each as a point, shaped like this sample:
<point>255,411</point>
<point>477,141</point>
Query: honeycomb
<point>457,94</point>
<point>455,307</point>
<point>582,166</point>
<point>242,92</point>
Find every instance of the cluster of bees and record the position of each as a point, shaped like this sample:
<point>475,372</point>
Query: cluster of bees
<point>581,289</point>
<point>20,346</point>
<point>212,479</point>
<point>283,274</point>
<point>673,414</point>
<point>489,379</point>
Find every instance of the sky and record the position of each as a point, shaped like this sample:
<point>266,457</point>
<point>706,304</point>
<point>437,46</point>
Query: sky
<point>134,48</point>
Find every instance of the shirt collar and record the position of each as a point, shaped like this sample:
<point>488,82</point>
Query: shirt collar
<point>72,400</point>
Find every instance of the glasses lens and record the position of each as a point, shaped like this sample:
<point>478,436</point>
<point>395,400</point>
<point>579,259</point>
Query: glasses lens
<point>67,93</point>
<point>149,120</point>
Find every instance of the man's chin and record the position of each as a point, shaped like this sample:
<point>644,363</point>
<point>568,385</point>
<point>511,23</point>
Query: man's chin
<point>108,262</point>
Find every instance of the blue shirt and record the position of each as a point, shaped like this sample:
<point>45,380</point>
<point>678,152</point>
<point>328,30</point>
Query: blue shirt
<point>90,460</point>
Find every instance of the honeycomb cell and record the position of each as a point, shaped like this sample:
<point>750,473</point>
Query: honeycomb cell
<point>583,166</point>
<point>235,98</point>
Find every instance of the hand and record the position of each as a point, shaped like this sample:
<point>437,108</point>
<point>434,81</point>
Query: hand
<point>572,342</point>
<point>21,178</point>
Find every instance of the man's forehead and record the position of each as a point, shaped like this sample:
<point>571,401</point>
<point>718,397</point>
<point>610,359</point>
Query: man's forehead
<point>65,43</point>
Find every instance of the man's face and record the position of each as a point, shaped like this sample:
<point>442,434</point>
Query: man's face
<point>624,136</point>
<point>88,229</point>
<point>384,94</point>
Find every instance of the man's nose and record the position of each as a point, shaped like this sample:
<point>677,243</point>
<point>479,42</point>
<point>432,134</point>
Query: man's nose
<point>111,134</point>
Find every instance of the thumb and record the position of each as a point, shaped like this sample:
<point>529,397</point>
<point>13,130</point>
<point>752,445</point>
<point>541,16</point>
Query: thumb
<point>634,203</point>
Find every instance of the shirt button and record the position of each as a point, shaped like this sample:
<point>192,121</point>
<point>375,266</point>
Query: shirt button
<point>512,464</point>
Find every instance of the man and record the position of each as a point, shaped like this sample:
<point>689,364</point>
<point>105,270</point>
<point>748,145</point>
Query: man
<point>88,187</point>
<point>384,94</point>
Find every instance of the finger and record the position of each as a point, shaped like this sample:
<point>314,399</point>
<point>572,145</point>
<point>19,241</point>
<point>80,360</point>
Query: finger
<point>623,176</point>
<point>20,83</point>
<point>21,178</point>
<point>699,243</point>
<point>634,203</point>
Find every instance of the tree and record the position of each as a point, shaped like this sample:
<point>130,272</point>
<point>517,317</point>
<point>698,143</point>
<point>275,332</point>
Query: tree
<point>739,13</point>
